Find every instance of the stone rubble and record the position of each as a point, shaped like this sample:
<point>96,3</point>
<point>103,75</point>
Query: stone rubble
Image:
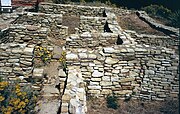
<point>101,58</point>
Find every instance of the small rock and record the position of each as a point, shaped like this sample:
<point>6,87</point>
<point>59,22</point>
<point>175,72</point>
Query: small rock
<point>96,73</point>
<point>71,56</point>
<point>110,60</point>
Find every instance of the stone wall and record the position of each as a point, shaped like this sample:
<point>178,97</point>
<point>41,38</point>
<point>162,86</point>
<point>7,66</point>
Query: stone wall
<point>87,39</point>
<point>139,71</point>
<point>166,29</point>
<point>90,24</point>
<point>74,97</point>
<point>51,21</point>
<point>39,19</point>
<point>27,33</point>
<point>4,35</point>
<point>153,40</point>
<point>16,63</point>
<point>16,60</point>
<point>69,10</point>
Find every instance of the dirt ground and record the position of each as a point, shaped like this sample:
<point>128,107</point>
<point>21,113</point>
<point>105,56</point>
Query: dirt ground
<point>132,22</point>
<point>71,22</point>
<point>99,106</point>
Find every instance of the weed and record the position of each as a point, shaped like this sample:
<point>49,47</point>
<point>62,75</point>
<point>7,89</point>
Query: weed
<point>16,99</point>
<point>112,101</point>
<point>43,53</point>
<point>62,59</point>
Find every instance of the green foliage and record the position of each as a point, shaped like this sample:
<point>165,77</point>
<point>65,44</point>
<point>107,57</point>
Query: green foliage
<point>164,13</point>
<point>16,99</point>
<point>156,10</point>
<point>175,19</point>
<point>112,102</point>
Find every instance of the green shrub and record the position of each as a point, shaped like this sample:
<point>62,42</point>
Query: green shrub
<point>112,102</point>
<point>16,99</point>
<point>175,19</point>
<point>164,13</point>
<point>156,10</point>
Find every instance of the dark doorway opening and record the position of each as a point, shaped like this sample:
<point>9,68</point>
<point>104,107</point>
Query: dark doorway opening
<point>106,28</point>
<point>119,41</point>
<point>104,14</point>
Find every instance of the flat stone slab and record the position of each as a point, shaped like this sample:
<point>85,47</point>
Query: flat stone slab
<point>57,52</point>
<point>48,106</point>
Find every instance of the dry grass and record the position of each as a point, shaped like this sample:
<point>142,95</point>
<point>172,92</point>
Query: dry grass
<point>99,106</point>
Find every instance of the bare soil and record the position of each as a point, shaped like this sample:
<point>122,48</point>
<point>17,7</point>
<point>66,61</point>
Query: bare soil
<point>132,22</point>
<point>71,22</point>
<point>99,106</point>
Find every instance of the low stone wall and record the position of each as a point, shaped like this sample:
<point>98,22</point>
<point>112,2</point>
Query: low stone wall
<point>4,36</point>
<point>16,60</point>
<point>51,21</point>
<point>87,39</point>
<point>39,19</point>
<point>70,10</point>
<point>121,11</point>
<point>90,24</point>
<point>74,97</point>
<point>153,40</point>
<point>138,71</point>
<point>16,63</point>
<point>166,29</point>
<point>27,33</point>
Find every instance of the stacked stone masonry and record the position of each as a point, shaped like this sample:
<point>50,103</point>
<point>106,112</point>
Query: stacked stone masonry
<point>153,40</point>
<point>138,70</point>
<point>70,10</point>
<point>51,21</point>
<point>16,62</point>
<point>91,24</point>
<point>27,33</point>
<point>101,57</point>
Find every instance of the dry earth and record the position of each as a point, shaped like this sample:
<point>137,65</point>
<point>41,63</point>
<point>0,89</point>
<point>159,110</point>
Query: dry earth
<point>132,22</point>
<point>99,106</point>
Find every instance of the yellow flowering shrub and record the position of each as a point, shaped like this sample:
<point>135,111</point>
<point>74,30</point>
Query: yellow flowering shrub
<point>43,53</point>
<point>62,59</point>
<point>15,99</point>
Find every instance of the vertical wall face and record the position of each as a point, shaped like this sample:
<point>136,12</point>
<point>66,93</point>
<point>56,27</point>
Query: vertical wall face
<point>91,40</point>
<point>92,24</point>
<point>39,19</point>
<point>140,71</point>
<point>16,60</point>
<point>53,22</point>
<point>26,33</point>
<point>153,40</point>
<point>70,10</point>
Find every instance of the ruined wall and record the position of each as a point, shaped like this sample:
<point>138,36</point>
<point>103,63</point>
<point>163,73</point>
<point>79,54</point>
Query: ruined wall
<point>51,21</point>
<point>168,42</point>
<point>4,35</point>
<point>90,24</point>
<point>139,71</point>
<point>16,59</point>
<point>39,19</point>
<point>166,29</point>
<point>154,40</point>
<point>69,10</point>
<point>16,63</point>
<point>91,40</point>
<point>27,33</point>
